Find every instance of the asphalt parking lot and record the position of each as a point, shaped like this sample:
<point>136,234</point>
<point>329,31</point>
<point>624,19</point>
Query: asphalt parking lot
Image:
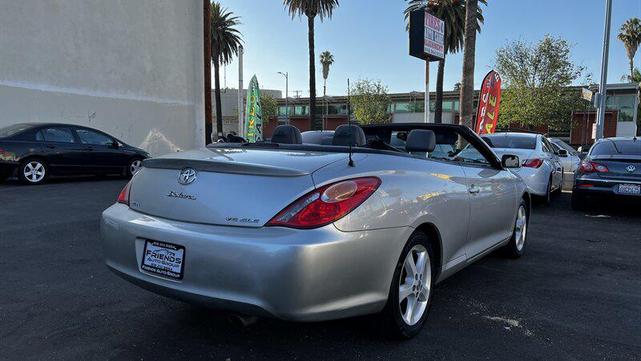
<point>576,294</point>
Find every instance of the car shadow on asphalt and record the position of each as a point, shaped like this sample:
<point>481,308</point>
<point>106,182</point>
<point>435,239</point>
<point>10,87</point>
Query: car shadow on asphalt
<point>64,180</point>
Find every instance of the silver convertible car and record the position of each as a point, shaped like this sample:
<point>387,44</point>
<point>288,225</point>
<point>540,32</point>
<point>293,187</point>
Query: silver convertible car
<point>311,232</point>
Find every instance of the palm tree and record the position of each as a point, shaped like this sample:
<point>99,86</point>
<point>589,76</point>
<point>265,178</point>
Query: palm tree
<point>469,50</point>
<point>326,59</point>
<point>453,13</point>
<point>311,8</point>
<point>630,35</point>
<point>225,42</point>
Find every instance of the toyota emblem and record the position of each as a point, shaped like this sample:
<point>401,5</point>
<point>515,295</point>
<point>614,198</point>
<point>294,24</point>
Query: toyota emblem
<point>187,176</point>
<point>631,168</point>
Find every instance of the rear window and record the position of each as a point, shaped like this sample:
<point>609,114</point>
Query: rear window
<point>510,141</point>
<point>617,147</point>
<point>13,129</point>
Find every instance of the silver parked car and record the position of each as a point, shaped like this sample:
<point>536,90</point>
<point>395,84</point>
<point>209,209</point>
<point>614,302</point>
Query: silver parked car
<point>541,169</point>
<point>568,156</point>
<point>310,232</point>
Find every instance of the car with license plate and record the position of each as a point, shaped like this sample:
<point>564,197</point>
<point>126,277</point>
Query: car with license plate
<point>311,232</point>
<point>35,151</point>
<point>541,169</point>
<point>611,170</point>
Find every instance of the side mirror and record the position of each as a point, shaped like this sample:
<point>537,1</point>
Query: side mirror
<point>510,161</point>
<point>421,141</point>
<point>115,145</point>
<point>562,153</point>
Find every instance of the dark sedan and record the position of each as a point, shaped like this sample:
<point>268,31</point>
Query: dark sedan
<point>611,169</point>
<point>33,152</point>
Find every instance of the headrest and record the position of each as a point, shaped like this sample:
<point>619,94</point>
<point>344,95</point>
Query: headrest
<point>420,140</point>
<point>286,134</point>
<point>349,134</point>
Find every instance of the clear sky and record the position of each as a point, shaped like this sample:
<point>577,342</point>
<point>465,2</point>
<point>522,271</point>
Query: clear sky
<point>368,40</point>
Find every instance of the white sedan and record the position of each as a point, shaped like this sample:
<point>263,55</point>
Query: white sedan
<point>541,169</point>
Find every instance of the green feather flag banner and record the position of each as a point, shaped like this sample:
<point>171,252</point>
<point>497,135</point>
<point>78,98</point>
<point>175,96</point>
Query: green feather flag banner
<point>254,118</point>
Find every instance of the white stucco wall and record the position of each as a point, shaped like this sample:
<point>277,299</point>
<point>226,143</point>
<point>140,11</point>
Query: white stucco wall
<point>133,69</point>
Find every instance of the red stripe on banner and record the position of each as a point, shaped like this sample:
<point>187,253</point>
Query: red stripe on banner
<point>487,114</point>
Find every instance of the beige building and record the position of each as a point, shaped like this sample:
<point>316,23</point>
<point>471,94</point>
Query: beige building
<point>133,69</point>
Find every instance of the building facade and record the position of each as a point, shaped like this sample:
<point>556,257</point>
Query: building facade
<point>134,69</point>
<point>229,105</point>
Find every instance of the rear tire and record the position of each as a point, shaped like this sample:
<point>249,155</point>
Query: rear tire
<point>33,171</point>
<point>546,199</point>
<point>410,296</point>
<point>516,247</point>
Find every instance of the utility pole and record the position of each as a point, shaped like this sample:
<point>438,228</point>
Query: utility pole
<point>427,91</point>
<point>286,75</point>
<point>241,90</point>
<point>600,122</point>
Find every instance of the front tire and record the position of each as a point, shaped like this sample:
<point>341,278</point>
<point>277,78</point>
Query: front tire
<point>133,167</point>
<point>516,247</point>
<point>33,171</point>
<point>410,294</point>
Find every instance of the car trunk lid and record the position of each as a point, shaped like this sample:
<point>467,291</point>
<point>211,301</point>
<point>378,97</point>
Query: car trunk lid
<point>621,167</point>
<point>235,187</point>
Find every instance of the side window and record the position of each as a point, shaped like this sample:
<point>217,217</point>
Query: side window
<point>546,146</point>
<point>471,155</point>
<point>59,135</point>
<point>94,138</point>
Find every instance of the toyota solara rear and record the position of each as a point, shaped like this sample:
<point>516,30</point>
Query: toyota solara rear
<point>311,232</point>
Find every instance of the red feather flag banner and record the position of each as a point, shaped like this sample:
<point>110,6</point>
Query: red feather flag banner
<point>487,114</point>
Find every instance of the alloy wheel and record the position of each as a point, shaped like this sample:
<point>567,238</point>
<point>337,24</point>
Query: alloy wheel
<point>414,285</point>
<point>134,166</point>
<point>34,171</point>
<point>520,229</point>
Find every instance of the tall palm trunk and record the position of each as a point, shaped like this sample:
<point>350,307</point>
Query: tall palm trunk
<point>312,75</point>
<point>631,60</point>
<point>438,108</point>
<point>219,109</point>
<point>469,50</point>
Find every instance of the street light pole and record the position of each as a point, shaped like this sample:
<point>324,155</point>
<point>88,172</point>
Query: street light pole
<point>286,75</point>
<point>600,122</point>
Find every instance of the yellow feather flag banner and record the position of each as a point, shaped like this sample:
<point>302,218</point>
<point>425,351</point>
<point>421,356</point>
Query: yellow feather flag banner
<point>254,113</point>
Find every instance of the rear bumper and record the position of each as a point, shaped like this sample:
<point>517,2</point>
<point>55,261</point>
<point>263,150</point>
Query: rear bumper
<point>590,186</point>
<point>302,275</point>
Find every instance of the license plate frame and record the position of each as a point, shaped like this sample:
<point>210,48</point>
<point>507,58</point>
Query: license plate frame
<point>629,189</point>
<point>163,259</point>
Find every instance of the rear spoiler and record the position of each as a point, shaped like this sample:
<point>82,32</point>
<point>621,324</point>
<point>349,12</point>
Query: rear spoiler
<point>222,167</point>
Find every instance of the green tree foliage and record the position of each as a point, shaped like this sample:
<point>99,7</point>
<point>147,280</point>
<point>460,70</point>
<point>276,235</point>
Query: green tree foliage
<point>311,9</point>
<point>630,36</point>
<point>453,13</point>
<point>269,106</point>
<point>535,80</point>
<point>225,43</point>
<point>370,102</point>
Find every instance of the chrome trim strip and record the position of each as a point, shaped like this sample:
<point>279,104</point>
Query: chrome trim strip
<point>612,181</point>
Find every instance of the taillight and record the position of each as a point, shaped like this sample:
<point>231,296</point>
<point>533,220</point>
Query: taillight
<point>123,197</point>
<point>327,204</point>
<point>592,167</point>
<point>533,163</point>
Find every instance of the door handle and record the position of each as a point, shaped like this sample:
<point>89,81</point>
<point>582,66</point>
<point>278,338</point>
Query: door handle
<point>474,189</point>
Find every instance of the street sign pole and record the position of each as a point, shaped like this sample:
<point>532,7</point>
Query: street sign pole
<point>604,72</point>
<point>427,91</point>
